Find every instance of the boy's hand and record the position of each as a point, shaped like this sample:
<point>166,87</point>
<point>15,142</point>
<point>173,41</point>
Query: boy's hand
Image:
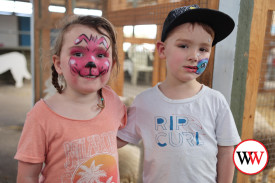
<point>121,143</point>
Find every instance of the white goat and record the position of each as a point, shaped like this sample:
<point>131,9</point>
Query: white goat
<point>17,64</point>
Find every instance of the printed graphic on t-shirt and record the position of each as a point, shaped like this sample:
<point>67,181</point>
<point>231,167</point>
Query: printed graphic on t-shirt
<point>91,159</point>
<point>178,130</point>
<point>101,168</point>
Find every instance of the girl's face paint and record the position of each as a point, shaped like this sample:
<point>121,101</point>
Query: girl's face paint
<point>90,61</point>
<point>201,66</point>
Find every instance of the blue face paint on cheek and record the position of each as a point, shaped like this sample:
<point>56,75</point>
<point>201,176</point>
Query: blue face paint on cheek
<point>202,65</point>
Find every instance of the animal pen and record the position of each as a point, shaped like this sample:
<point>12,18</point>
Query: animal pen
<point>139,23</point>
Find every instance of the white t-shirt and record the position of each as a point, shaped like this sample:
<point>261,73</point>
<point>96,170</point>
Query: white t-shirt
<point>180,137</point>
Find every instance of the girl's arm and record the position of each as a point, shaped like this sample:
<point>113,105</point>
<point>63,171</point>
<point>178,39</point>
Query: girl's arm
<point>121,143</point>
<point>225,165</point>
<point>28,172</point>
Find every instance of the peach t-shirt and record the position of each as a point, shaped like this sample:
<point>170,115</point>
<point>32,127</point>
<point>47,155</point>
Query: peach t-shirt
<point>74,150</point>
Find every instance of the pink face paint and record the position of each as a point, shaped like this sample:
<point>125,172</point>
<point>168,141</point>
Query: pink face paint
<point>90,61</point>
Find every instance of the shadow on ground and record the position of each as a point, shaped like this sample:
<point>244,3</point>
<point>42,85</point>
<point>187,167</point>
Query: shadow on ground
<point>14,104</point>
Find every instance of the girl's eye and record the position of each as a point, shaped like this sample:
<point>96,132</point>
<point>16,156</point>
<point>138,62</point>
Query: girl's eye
<point>78,54</point>
<point>101,55</point>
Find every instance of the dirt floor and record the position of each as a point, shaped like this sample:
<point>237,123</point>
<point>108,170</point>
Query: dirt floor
<point>14,104</point>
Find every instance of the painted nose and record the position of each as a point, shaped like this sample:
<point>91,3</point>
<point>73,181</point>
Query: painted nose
<point>90,65</point>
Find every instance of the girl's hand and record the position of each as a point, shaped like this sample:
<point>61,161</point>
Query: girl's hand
<point>28,172</point>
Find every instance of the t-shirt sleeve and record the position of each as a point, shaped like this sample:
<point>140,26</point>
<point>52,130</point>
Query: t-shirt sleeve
<point>32,144</point>
<point>116,106</point>
<point>123,117</point>
<point>226,131</point>
<point>130,132</point>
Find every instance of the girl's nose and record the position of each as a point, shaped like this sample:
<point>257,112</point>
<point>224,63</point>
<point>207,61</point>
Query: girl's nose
<point>90,65</point>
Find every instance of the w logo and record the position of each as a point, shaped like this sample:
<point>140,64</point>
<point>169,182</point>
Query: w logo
<point>250,157</point>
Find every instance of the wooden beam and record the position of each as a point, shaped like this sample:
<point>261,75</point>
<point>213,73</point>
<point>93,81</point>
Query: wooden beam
<point>257,34</point>
<point>79,4</point>
<point>271,5</point>
<point>145,15</point>
<point>134,40</point>
<point>116,5</point>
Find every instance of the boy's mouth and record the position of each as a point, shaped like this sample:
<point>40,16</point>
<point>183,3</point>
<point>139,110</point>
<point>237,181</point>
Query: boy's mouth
<point>191,68</point>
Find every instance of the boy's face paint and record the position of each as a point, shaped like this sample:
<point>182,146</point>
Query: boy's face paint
<point>201,66</point>
<point>92,60</point>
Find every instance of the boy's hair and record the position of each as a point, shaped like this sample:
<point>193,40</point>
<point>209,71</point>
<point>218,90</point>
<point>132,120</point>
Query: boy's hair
<point>221,23</point>
<point>205,27</point>
<point>95,22</point>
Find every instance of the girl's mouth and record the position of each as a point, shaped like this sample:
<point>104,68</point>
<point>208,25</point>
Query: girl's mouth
<point>90,76</point>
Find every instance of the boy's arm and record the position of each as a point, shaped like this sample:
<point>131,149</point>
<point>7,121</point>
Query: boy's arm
<point>121,143</point>
<point>28,172</point>
<point>225,165</point>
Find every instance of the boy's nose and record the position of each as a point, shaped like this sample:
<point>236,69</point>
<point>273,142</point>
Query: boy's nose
<point>194,56</point>
<point>90,65</point>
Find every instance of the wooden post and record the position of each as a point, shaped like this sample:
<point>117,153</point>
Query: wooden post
<point>266,50</point>
<point>69,4</point>
<point>117,82</point>
<point>257,34</point>
<point>41,46</point>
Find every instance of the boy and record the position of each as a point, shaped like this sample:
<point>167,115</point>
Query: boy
<point>187,128</point>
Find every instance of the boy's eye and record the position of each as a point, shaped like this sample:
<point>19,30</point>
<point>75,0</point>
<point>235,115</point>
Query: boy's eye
<point>78,54</point>
<point>203,50</point>
<point>183,46</point>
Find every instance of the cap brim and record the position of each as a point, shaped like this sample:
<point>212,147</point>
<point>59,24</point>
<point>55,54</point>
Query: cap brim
<point>221,23</point>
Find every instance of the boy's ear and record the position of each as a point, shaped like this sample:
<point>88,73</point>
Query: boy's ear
<point>57,64</point>
<point>161,48</point>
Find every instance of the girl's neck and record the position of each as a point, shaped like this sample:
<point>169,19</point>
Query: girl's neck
<point>75,106</point>
<point>78,98</point>
<point>180,90</point>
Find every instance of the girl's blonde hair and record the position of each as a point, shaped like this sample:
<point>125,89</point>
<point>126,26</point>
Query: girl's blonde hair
<point>95,22</point>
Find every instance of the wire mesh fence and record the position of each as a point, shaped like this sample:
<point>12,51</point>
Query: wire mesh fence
<point>264,123</point>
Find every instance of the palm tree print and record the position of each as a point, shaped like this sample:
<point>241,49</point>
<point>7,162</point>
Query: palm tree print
<point>92,174</point>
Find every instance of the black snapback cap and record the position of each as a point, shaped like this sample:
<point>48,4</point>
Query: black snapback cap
<point>221,23</point>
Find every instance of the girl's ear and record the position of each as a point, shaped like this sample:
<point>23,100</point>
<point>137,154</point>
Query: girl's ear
<point>57,64</point>
<point>161,48</point>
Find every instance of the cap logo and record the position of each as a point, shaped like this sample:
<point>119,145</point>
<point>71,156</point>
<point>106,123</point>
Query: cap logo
<point>178,11</point>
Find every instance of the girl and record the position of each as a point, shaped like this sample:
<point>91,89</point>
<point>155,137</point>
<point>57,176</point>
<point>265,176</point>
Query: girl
<point>74,132</point>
